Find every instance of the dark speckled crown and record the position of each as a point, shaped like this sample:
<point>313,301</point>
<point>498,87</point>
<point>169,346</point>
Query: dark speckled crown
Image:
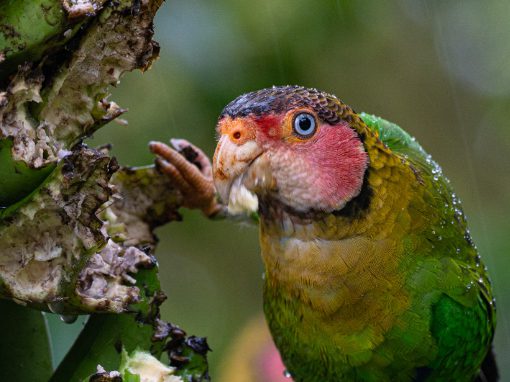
<point>280,99</point>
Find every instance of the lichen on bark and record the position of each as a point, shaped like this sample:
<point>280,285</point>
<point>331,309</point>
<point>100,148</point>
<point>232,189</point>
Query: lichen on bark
<point>57,253</point>
<point>75,227</point>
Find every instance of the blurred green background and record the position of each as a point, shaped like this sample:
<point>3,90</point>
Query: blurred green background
<point>439,69</point>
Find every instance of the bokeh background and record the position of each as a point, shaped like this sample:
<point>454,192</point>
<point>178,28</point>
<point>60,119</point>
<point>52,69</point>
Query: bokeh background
<point>440,69</point>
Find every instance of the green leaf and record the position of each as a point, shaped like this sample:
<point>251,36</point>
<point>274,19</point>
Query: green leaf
<point>17,180</point>
<point>25,352</point>
<point>100,343</point>
<point>128,377</point>
<point>35,27</point>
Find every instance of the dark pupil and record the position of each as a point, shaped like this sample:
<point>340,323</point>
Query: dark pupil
<point>305,123</point>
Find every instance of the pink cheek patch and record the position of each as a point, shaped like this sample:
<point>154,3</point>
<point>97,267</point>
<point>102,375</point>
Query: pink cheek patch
<point>337,162</point>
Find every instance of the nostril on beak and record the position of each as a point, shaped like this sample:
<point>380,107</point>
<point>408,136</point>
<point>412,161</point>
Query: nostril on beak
<point>238,131</point>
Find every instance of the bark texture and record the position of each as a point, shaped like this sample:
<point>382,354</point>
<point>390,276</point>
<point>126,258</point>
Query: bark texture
<point>72,235</point>
<point>76,229</point>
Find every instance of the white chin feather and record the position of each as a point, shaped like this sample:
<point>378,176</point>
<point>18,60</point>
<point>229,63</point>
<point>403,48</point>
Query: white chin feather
<point>241,200</point>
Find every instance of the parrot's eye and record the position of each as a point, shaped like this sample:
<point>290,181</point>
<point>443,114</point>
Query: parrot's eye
<point>304,125</point>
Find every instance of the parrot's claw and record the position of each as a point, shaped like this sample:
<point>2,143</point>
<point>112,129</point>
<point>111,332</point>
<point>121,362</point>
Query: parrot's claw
<point>190,170</point>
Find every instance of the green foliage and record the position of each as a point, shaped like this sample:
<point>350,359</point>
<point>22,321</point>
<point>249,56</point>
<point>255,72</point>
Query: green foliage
<point>17,180</point>
<point>31,28</point>
<point>25,352</point>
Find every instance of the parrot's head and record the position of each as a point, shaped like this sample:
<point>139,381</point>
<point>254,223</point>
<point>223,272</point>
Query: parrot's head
<point>297,147</point>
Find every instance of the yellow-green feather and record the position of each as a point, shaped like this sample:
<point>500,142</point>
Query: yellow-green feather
<point>396,293</point>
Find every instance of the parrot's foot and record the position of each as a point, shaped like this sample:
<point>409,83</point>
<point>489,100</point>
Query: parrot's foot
<point>189,169</point>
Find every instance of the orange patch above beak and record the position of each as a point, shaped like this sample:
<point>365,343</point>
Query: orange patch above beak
<point>238,130</point>
<point>235,151</point>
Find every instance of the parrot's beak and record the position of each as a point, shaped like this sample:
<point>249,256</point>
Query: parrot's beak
<point>237,162</point>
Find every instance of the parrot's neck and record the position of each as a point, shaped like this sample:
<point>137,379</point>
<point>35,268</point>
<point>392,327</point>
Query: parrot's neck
<point>333,267</point>
<point>349,289</point>
<point>303,250</point>
<point>324,263</point>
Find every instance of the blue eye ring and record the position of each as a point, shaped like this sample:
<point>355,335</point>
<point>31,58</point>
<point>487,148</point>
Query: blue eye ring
<point>304,125</point>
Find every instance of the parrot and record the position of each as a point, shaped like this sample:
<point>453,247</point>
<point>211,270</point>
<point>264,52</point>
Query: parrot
<point>371,273</point>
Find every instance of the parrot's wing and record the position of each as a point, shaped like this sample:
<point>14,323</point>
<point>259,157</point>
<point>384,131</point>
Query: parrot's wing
<point>454,316</point>
<point>453,326</point>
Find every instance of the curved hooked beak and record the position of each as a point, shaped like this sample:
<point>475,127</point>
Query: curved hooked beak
<point>236,166</point>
